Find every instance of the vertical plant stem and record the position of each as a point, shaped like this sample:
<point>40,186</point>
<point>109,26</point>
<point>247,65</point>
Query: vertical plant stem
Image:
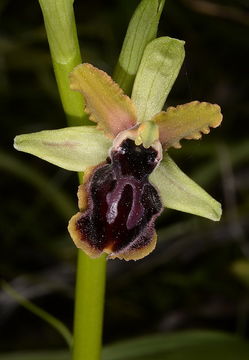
<point>90,289</point>
<point>65,52</point>
<point>90,280</point>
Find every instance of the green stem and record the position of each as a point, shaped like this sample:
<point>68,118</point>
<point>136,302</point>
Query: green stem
<point>90,282</point>
<point>65,52</point>
<point>90,289</point>
<point>72,102</point>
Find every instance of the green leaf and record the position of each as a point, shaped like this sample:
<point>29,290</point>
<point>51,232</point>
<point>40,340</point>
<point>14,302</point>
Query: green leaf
<point>160,65</point>
<point>142,29</point>
<point>181,193</point>
<point>44,315</point>
<point>73,148</point>
<point>187,345</point>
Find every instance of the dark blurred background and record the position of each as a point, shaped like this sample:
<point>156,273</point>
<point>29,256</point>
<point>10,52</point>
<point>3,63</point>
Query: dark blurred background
<point>198,276</point>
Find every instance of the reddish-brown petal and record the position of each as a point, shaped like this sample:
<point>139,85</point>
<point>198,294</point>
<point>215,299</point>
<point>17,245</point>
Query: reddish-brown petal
<point>188,121</point>
<point>105,100</point>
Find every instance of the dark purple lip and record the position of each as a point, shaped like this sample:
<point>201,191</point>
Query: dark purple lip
<point>122,204</point>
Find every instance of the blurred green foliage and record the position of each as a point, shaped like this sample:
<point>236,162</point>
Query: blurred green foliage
<point>191,279</point>
<point>189,345</point>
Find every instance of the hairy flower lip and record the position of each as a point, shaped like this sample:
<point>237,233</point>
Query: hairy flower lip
<point>119,205</point>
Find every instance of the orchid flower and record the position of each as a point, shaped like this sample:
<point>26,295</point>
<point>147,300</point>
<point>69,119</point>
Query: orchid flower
<point>128,176</point>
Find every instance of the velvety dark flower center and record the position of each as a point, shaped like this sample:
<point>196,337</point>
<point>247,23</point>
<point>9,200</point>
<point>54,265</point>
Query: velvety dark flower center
<point>122,203</point>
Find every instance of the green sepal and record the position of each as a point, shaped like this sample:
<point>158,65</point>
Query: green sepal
<point>160,65</point>
<point>179,192</point>
<point>73,148</point>
<point>141,30</point>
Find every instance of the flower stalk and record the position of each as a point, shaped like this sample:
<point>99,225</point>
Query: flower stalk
<point>90,279</point>
<point>89,306</point>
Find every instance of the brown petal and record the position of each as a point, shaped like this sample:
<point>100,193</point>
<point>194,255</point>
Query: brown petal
<point>105,100</point>
<point>188,121</point>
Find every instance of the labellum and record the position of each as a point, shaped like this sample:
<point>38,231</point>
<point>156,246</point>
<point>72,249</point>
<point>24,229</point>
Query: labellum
<point>120,204</point>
